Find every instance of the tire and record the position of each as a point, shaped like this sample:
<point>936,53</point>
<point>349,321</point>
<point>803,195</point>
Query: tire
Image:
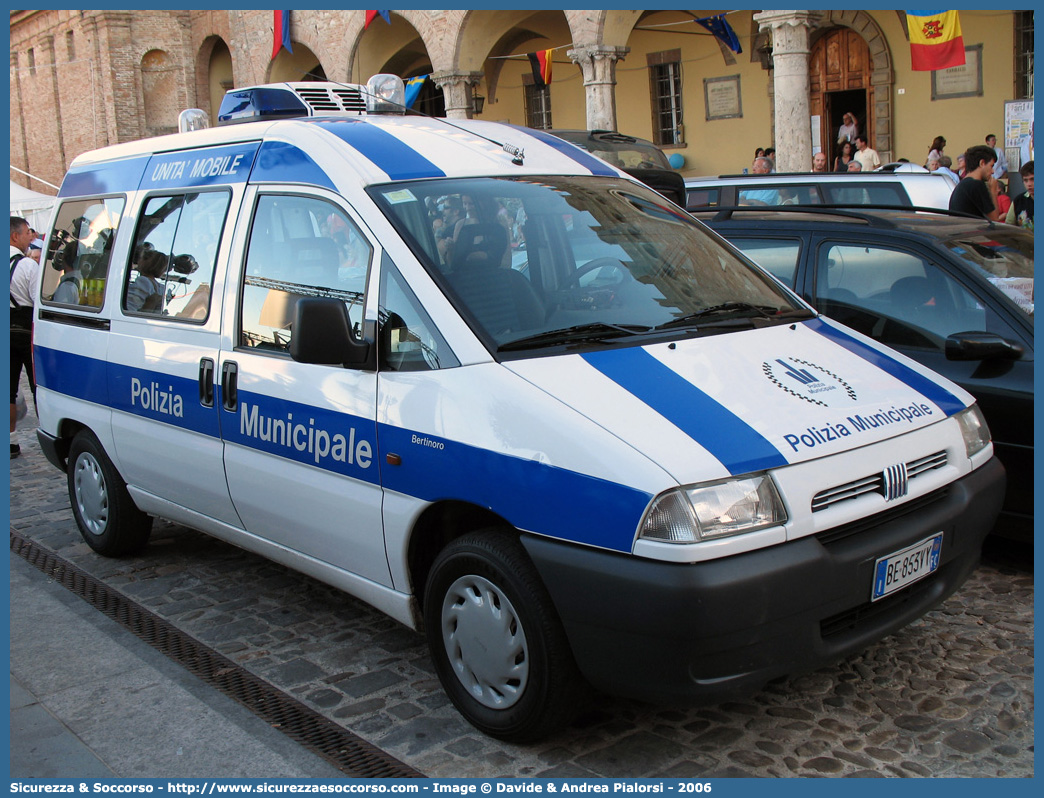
<point>498,646</point>
<point>105,513</point>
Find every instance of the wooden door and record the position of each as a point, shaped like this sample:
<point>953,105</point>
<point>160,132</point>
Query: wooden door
<point>840,62</point>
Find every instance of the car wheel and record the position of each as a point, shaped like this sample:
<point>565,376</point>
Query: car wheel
<point>496,641</point>
<point>105,513</point>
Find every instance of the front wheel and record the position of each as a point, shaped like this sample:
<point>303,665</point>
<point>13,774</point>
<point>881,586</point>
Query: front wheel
<point>108,519</point>
<point>496,641</point>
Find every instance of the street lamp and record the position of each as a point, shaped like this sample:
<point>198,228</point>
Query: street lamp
<point>477,104</point>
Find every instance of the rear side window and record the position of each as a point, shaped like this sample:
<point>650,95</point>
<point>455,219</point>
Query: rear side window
<point>80,249</point>
<point>299,247</point>
<point>174,255</point>
<point>780,195</point>
<point>868,193</point>
<point>701,198</point>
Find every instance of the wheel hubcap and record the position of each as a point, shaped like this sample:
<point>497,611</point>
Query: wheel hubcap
<point>91,494</point>
<point>485,642</point>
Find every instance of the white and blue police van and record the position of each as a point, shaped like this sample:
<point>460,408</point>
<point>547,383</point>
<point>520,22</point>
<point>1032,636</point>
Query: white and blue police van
<point>499,390</point>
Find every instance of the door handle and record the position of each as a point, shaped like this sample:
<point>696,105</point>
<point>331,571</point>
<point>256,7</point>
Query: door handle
<point>229,386</point>
<point>206,382</point>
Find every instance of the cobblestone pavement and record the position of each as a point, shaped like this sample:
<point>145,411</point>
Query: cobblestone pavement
<point>951,695</point>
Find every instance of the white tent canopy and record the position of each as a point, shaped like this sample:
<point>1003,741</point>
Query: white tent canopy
<point>33,205</point>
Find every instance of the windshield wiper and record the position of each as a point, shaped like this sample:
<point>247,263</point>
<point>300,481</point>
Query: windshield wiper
<point>578,333</point>
<point>736,311</point>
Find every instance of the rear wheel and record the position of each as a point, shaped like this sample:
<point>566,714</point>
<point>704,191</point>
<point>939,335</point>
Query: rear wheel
<point>105,513</point>
<point>496,641</point>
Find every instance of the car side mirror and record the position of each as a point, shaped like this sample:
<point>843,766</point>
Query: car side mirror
<point>981,346</point>
<point>322,334</point>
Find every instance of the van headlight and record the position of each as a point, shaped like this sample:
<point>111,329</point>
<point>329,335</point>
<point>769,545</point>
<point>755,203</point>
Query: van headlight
<point>714,510</point>
<point>973,428</point>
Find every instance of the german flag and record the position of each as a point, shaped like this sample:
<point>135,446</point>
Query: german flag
<point>936,41</point>
<point>541,62</point>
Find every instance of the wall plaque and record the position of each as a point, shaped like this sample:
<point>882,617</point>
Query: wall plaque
<point>722,97</point>
<point>960,81</point>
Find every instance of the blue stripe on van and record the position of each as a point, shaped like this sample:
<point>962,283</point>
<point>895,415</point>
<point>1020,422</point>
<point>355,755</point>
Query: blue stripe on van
<point>388,153</point>
<point>207,166</point>
<point>739,447</point>
<point>111,177</point>
<point>533,496</point>
<point>582,157</point>
<point>327,439</point>
<point>925,386</point>
<point>142,392</point>
<point>281,162</point>
<point>530,495</point>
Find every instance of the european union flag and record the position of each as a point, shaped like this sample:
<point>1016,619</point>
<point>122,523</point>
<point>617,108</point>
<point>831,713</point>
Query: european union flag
<point>722,31</point>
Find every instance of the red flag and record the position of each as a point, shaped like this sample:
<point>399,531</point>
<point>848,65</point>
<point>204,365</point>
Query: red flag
<point>372,15</point>
<point>541,62</point>
<point>281,32</point>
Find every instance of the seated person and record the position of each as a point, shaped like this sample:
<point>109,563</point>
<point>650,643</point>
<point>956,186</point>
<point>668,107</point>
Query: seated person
<point>145,294</point>
<point>760,196</point>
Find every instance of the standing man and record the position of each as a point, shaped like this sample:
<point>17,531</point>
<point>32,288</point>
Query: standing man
<point>1000,169</point>
<point>868,158</point>
<point>24,272</point>
<point>819,162</point>
<point>977,193</point>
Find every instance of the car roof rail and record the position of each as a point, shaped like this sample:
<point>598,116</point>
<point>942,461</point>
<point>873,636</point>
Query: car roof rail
<point>862,212</point>
<point>811,175</point>
<point>724,214</point>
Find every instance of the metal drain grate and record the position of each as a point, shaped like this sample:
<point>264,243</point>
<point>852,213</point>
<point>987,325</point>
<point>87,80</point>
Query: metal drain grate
<point>352,755</point>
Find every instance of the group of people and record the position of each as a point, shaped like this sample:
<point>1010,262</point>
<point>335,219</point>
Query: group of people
<point>980,173</point>
<point>26,246</point>
<point>854,153</point>
<point>450,214</point>
<point>852,156</point>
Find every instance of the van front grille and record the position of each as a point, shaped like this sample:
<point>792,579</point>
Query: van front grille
<point>875,483</point>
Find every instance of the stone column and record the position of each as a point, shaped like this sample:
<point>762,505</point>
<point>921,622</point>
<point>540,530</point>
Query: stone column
<point>598,64</point>
<point>457,89</point>
<point>790,49</point>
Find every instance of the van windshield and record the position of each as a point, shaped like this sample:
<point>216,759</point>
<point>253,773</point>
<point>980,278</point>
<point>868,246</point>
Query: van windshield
<point>536,263</point>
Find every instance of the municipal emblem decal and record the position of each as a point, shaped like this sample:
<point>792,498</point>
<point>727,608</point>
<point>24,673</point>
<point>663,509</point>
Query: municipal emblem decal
<point>809,382</point>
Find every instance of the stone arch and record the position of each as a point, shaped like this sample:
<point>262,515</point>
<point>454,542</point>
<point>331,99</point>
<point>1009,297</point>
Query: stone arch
<point>214,74</point>
<point>300,65</point>
<point>159,90</point>
<point>882,73</point>
<point>484,36</point>
<point>391,41</point>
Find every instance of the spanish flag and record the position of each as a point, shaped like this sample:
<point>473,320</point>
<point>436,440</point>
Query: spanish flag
<point>935,40</point>
<point>541,62</point>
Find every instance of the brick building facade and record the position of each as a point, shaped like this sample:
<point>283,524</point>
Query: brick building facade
<point>84,79</point>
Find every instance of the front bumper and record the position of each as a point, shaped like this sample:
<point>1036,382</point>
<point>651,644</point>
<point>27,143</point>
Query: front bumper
<point>713,630</point>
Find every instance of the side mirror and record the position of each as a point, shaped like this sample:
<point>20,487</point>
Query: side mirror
<point>981,346</point>
<point>322,334</point>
